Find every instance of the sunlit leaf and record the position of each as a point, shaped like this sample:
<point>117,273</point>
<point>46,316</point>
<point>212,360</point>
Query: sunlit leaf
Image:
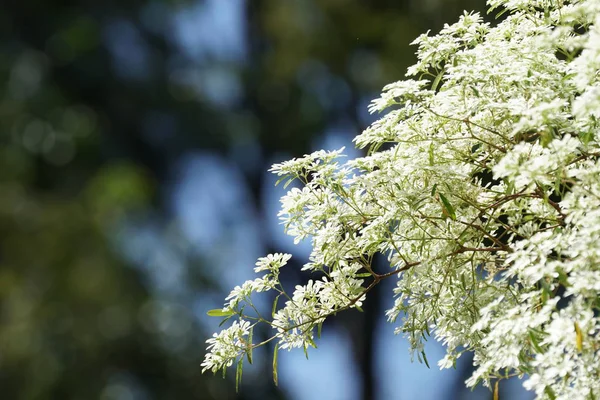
<point>218,312</point>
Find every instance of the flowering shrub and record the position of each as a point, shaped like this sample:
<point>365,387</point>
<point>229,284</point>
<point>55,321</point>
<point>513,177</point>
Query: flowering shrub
<point>481,186</point>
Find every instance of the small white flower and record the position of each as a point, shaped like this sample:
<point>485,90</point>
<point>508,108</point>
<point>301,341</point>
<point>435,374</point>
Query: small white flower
<point>272,262</point>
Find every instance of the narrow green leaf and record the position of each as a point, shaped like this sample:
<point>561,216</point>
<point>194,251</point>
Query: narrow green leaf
<point>510,187</point>
<point>249,346</point>
<point>578,337</point>
<point>433,189</point>
<point>501,13</point>
<point>238,374</point>
<point>425,359</point>
<point>448,207</point>
<point>288,183</point>
<point>217,312</point>
<point>275,353</point>
<point>319,327</point>
<point>430,154</point>
<point>225,320</point>
<point>364,275</point>
<point>535,342</point>
<point>437,80</point>
<point>274,309</point>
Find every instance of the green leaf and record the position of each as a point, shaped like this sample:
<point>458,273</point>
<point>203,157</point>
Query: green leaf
<point>288,183</point>
<point>238,374</point>
<point>437,80</point>
<point>546,291</point>
<point>557,183</point>
<point>463,282</point>
<point>218,312</point>
<point>274,309</point>
<point>448,207</point>
<point>545,138</point>
<point>319,327</point>
<point>501,13</point>
<point>548,390</point>
<point>364,275</point>
<point>578,337</point>
<point>225,320</point>
<point>275,353</point>
<point>425,359</point>
<point>430,154</point>
<point>249,346</point>
<point>510,186</point>
<point>586,136</point>
<point>433,189</point>
<point>544,296</point>
<point>475,147</point>
<point>563,279</point>
<point>535,342</point>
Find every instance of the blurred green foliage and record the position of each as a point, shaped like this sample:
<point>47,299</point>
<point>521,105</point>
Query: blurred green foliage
<point>77,322</point>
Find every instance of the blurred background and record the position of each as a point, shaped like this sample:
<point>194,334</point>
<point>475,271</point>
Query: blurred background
<point>134,194</point>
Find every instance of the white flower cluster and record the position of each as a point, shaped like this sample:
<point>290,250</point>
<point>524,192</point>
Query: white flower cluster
<point>226,346</point>
<point>486,202</point>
